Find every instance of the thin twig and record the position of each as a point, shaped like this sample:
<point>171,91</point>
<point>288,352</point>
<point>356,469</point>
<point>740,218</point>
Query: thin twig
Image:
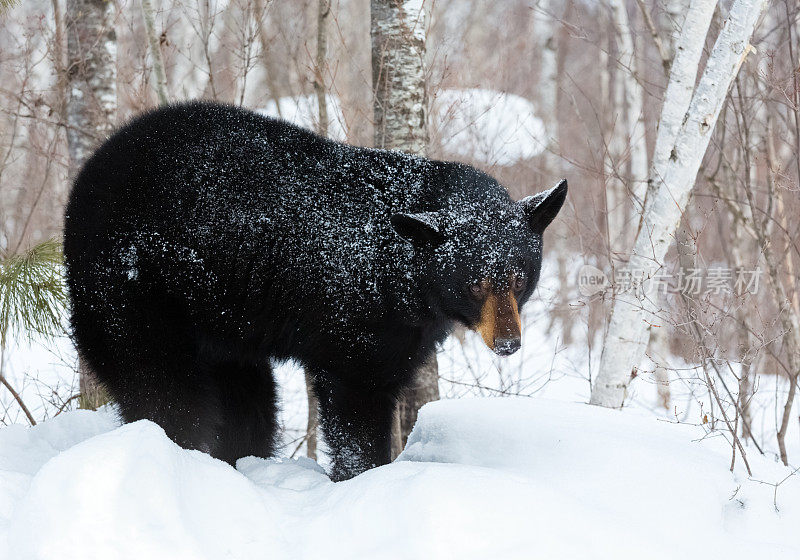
<point>65,403</point>
<point>662,52</point>
<point>18,398</point>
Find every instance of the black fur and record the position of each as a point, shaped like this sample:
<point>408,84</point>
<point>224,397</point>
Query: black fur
<point>203,241</point>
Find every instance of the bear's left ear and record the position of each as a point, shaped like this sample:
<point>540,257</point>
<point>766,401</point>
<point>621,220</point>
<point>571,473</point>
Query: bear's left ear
<point>418,229</point>
<point>540,209</point>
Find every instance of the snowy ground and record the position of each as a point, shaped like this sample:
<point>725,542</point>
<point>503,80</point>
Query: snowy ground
<point>480,478</point>
<point>543,475</point>
<point>512,477</point>
<point>537,473</point>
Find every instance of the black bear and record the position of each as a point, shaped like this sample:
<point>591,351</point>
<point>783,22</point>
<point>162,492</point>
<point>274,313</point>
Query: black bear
<point>203,242</point>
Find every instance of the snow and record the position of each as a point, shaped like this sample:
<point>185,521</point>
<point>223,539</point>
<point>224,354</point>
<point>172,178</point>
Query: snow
<point>304,111</point>
<point>512,477</point>
<point>502,478</point>
<point>488,126</point>
<point>485,126</point>
<point>42,371</point>
<point>543,367</point>
<point>610,470</point>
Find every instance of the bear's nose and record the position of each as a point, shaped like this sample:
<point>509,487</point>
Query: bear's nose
<point>506,346</point>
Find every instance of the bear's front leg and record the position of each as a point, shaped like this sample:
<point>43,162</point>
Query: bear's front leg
<point>357,424</point>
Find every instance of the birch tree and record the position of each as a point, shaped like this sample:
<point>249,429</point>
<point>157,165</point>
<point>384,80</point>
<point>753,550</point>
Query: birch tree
<point>544,31</point>
<point>263,38</point>
<point>779,265</point>
<point>160,76</point>
<point>696,20</point>
<point>680,87</point>
<point>58,61</point>
<point>323,11</point>
<point>634,117</point>
<point>91,106</point>
<point>92,77</point>
<point>398,77</point>
<point>625,191</point>
<point>545,27</point>
<point>671,23</point>
<point>671,183</point>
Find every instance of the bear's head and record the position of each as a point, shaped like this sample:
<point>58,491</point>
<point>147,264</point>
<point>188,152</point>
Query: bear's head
<point>480,253</point>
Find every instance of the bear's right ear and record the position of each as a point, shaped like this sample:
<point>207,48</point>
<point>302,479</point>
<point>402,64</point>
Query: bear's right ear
<point>418,229</point>
<point>541,208</point>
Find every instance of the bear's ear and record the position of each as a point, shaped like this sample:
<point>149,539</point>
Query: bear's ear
<point>418,229</point>
<point>541,208</point>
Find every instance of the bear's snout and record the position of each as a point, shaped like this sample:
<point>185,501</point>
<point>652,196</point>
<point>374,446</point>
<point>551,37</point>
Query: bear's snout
<point>499,324</point>
<point>506,346</point>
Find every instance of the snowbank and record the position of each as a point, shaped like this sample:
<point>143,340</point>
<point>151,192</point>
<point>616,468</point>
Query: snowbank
<point>42,370</point>
<point>480,478</point>
<point>491,127</point>
<point>303,111</point>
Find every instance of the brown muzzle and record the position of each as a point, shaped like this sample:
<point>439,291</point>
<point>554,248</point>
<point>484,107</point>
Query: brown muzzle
<point>499,325</point>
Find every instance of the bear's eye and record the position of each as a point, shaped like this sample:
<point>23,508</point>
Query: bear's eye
<point>518,284</point>
<point>476,290</point>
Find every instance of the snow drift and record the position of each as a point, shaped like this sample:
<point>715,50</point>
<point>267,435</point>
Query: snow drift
<point>480,478</point>
<point>487,126</point>
<point>491,127</point>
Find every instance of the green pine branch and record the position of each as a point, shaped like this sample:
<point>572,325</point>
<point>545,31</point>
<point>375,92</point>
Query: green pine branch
<point>7,4</point>
<point>33,297</point>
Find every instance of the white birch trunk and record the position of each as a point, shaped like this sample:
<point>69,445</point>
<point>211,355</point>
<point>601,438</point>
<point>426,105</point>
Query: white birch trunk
<point>789,308</point>
<point>614,187</point>
<point>323,10</point>
<point>677,97</point>
<point>263,38</point>
<point>160,75</point>
<point>544,32</point>
<point>61,189</point>
<point>58,61</point>
<point>398,77</point>
<point>312,418</point>
<point>671,22</point>
<point>398,74</point>
<point>626,338</point>
<point>92,77</point>
<point>634,120</point>
<point>680,87</point>
<point>608,107</point>
<point>91,108</point>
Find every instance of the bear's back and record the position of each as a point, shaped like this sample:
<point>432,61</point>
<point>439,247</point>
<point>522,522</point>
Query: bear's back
<point>213,199</point>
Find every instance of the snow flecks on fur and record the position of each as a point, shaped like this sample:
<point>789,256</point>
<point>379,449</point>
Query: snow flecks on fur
<point>249,186</point>
<point>203,240</point>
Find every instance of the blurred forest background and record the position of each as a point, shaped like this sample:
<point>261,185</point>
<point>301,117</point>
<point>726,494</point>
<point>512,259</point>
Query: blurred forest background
<point>529,91</point>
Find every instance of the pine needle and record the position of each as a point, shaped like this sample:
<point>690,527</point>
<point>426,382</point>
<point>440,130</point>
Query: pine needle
<point>7,4</point>
<point>33,297</point>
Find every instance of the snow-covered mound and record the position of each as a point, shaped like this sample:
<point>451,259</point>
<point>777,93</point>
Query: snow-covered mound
<point>480,478</point>
<point>492,127</point>
<point>303,111</point>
